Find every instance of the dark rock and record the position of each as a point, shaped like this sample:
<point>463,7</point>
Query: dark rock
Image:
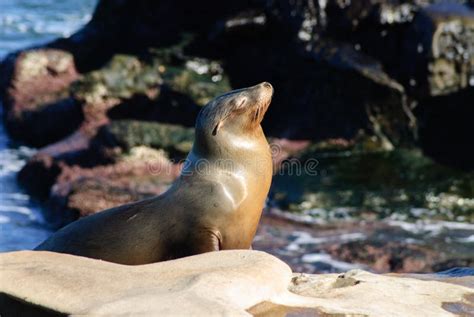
<point>334,91</point>
<point>438,53</point>
<point>39,175</point>
<point>327,176</point>
<point>446,128</point>
<point>386,257</point>
<point>10,306</point>
<point>46,125</point>
<point>141,25</point>
<point>35,95</point>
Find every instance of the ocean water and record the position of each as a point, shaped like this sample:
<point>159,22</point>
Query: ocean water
<point>30,22</point>
<point>25,23</point>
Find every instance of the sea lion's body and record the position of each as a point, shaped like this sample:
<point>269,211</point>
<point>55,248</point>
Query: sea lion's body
<point>215,204</point>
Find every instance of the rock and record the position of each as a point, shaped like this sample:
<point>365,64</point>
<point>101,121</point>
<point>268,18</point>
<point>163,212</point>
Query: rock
<point>327,87</point>
<point>38,108</point>
<point>126,134</point>
<point>211,284</point>
<point>387,257</point>
<point>84,197</point>
<point>80,191</point>
<point>75,182</point>
<point>39,175</point>
<point>198,285</point>
<point>327,176</point>
<point>446,128</point>
<point>49,161</point>
<point>359,292</point>
<point>438,54</point>
<point>123,79</point>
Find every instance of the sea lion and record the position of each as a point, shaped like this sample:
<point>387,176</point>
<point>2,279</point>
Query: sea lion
<point>215,204</point>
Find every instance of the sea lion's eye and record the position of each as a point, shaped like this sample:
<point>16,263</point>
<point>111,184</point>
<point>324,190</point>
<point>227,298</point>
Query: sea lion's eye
<point>216,128</point>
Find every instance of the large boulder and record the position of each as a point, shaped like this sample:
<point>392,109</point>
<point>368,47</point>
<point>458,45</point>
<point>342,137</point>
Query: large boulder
<point>437,57</point>
<point>79,192</point>
<point>236,283</point>
<point>35,94</point>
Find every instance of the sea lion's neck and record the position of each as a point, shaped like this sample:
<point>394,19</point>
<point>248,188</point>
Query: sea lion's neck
<point>232,146</point>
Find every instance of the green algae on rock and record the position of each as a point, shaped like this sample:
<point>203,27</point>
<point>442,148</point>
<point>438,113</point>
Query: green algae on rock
<point>122,77</point>
<point>127,134</point>
<point>398,181</point>
<point>199,78</point>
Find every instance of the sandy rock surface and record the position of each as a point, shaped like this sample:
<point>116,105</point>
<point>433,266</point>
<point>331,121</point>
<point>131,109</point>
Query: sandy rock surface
<point>218,283</point>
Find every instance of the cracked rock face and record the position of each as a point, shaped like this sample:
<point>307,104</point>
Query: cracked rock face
<point>237,283</point>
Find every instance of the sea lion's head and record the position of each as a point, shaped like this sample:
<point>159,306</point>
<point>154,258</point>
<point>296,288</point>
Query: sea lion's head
<point>237,111</point>
<point>234,115</point>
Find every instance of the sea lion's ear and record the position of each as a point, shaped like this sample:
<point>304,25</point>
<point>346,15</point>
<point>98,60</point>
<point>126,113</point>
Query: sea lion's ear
<point>217,127</point>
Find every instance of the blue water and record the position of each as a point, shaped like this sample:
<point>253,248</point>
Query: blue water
<point>29,22</point>
<point>25,23</point>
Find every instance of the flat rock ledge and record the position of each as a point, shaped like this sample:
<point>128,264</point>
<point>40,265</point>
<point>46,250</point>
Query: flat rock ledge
<point>230,283</point>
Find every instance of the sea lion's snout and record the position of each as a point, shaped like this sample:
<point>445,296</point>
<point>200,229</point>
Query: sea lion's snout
<point>261,96</point>
<point>267,85</point>
<point>239,109</point>
<point>263,92</point>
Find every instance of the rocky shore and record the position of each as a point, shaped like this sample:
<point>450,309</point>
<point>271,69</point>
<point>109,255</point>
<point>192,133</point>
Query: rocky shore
<point>379,93</point>
<point>237,283</point>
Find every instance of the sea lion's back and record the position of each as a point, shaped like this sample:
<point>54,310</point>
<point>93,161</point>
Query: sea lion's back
<point>111,235</point>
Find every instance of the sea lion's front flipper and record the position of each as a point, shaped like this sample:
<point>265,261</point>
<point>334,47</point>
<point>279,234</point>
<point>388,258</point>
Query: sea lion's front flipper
<point>207,241</point>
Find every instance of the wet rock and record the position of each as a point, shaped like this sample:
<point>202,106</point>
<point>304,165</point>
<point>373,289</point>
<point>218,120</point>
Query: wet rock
<point>446,129</point>
<point>122,78</point>
<point>438,54</point>
<point>120,146</point>
<point>456,267</point>
<point>39,175</point>
<point>85,197</point>
<point>188,83</point>
<point>342,241</point>
<point>389,257</point>
<point>334,91</point>
<point>126,134</point>
<point>38,108</point>
<point>395,182</point>
<point>78,191</point>
<point>40,172</point>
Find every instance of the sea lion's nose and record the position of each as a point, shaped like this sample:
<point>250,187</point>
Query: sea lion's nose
<point>267,85</point>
